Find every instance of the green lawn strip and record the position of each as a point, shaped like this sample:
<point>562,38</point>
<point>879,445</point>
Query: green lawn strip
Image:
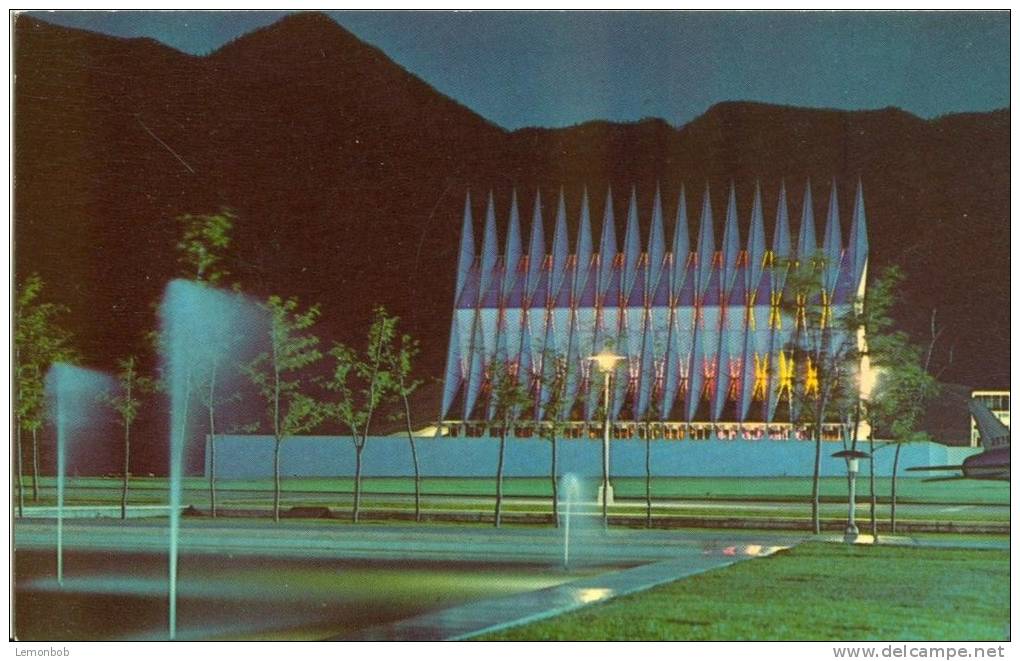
<point>910,490</point>
<point>811,592</point>
<point>258,498</point>
<point>793,515</point>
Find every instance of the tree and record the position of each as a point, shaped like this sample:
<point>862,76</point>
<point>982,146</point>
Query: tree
<point>204,239</point>
<point>400,365</point>
<point>878,303</point>
<point>507,399</point>
<point>30,415</point>
<point>39,341</point>
<point>894,403</point>
<point>209,396</point>
<point>900,395</point>
<point>838,360</point>
<point>29,411</point>
<point>556,409</point>
<point>651,413</point>
<point>276,374</point>
<point>126,404</point>
<point>826,341</point>
<point>372,372</point>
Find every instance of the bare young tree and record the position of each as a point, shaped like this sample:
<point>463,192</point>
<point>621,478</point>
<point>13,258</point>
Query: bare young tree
<point>556,409</point>
<point>508,398</point>
<point>202,248</point>
<point>900,396</point>
<point>126,402</point>
<point>826,340</point>
<point>39,341</point>
<point>401,366</point>
<point>277,375</point>
<point>360,383</point>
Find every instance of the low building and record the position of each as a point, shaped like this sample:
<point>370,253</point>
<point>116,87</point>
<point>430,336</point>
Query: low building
<point>996,401</point>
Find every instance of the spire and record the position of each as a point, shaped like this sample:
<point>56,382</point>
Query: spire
<point>560,249</point>
<point>756,240</point>
<point>631,246</point>
<point>513,247</point>
<point>536,247</point>
<point>476,371</point>
<point>832,244</point>
<point>706,242</point>
<point>452,376</point>
<point>489,248</point>
<point>607,247</point>
<point>681,244</point>
<point>583,251</point>
<point>731,242</point>
<point>806,244</point>
<point>781,238</point>
<point>857,246</point>
<point>656,244</point>
<point>781,249</point>
<point>466,256</point>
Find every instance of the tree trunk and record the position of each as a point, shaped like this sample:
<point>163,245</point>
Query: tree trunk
<point>277,435</point>
<point>127,471</point>
<point>816,522</point>
<point>555,489</point>
<point>21,474</point>
<point>892,504</point>
<point>499,477</point>
<point>212,442</point>
<point>276,479</point>
<point>212,475</point>
<point>648,478</point>
<point>871,480</point>
<point>35,464</point>
<point>358,447</point>
<point>414,460</point>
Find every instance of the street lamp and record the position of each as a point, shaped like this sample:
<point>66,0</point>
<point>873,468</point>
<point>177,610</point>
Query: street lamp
<point>606,362</point>
<point>853,458</point>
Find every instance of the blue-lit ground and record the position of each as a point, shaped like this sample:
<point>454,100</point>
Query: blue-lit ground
<point>310,580</point>
<point>230,597</point>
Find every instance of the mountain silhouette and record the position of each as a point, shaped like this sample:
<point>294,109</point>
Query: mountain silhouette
<point>348,176</point>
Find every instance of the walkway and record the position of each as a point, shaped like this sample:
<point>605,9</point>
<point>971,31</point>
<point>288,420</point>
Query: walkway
<point>478,618</point>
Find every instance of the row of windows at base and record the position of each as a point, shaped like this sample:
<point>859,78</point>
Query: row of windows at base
<point>674,431</point>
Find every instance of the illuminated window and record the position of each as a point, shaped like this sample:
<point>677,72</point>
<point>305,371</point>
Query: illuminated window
<point>786,371</point>
<point>811,379</point>
<point>735,371</point>
<point>709,371</point>
<point>775,317</point>
<point>801,311</point>
<point>761,377</point>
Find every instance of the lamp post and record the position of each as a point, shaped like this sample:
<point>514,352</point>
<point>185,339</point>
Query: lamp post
<point>606,362</point>
<point>853,458</point>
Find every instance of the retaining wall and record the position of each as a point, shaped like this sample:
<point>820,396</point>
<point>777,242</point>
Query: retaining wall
<point>249,457</point>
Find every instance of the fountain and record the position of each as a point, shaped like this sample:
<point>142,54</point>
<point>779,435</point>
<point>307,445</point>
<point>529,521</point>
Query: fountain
<point>195,320</point>
<point>570,490</point>
<point>72,394</point>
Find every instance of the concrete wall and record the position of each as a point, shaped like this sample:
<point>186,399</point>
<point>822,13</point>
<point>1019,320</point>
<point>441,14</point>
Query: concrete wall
<point>244,457</point>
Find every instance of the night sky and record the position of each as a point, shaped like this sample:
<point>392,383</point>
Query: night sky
<point>557,69</point>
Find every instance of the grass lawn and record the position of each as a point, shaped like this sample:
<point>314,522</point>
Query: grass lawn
<point>811,592</point>
<point>833,489</point>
